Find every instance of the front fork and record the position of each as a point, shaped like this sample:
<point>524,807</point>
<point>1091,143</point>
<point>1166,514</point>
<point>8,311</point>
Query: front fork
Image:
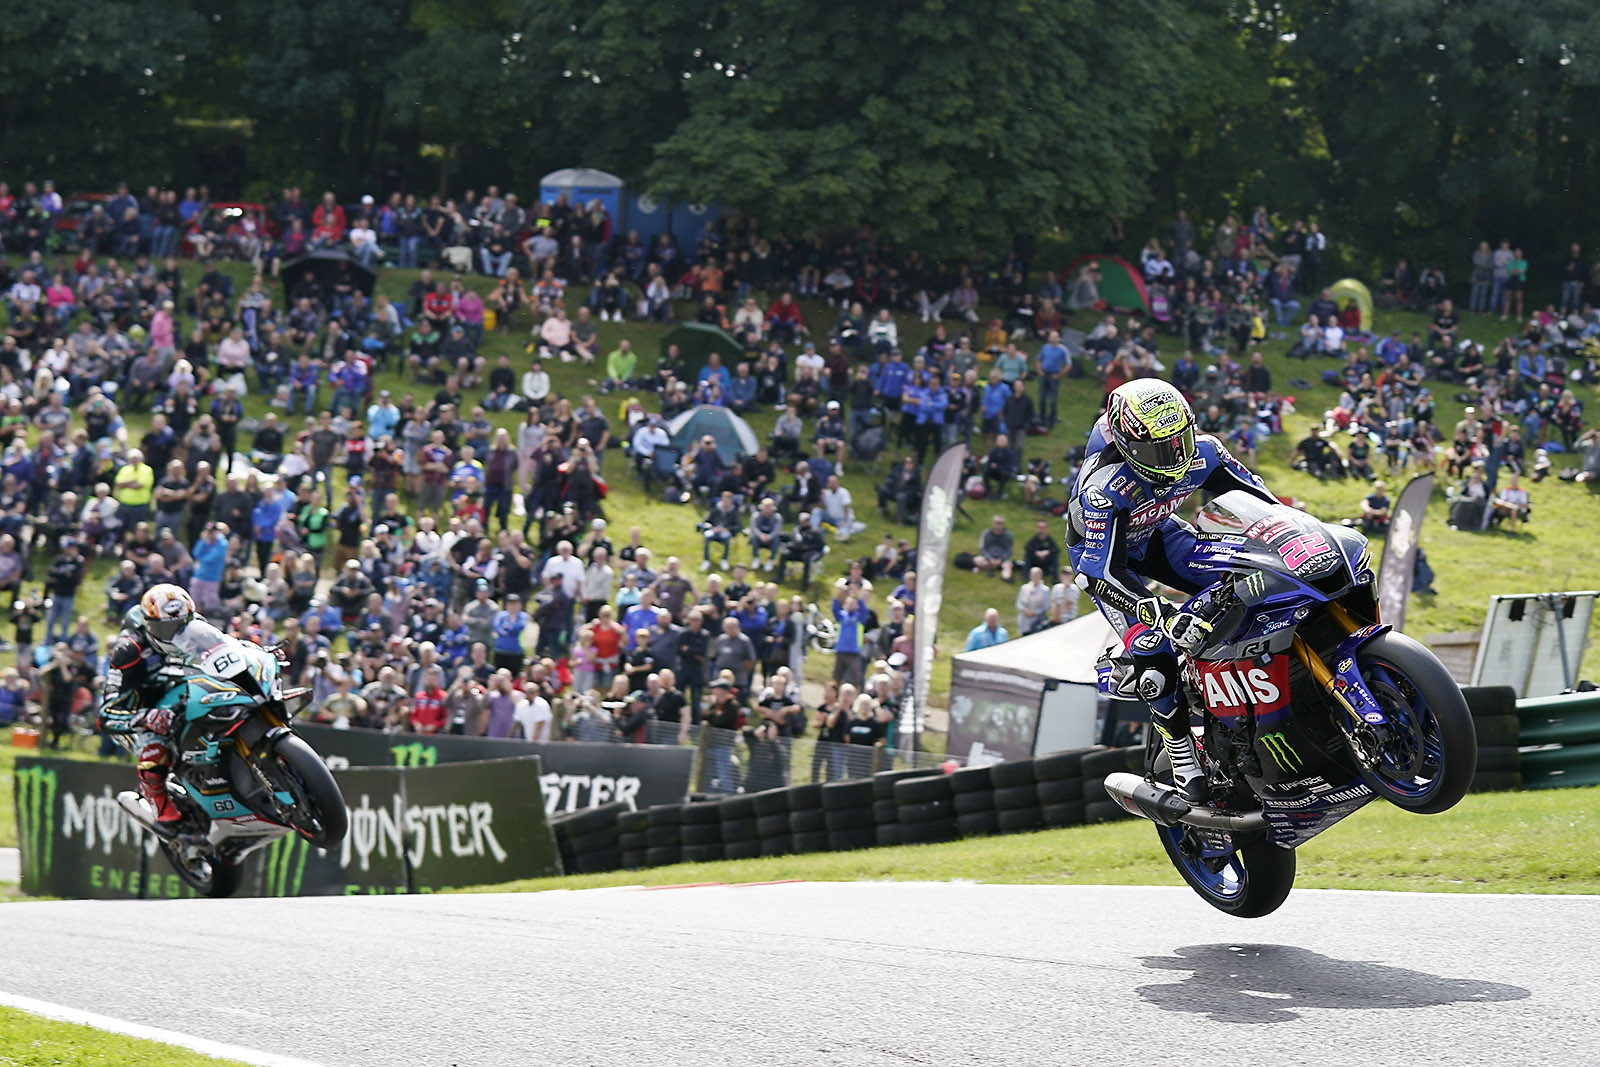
<point>1343,682</point>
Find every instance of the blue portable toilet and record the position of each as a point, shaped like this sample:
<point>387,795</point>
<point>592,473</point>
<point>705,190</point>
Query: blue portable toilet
<point>583,184</point>
<point>653,217</point>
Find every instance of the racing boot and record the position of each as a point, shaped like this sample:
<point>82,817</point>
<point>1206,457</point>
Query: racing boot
<point>154,762</point>
<point>1187,775</point>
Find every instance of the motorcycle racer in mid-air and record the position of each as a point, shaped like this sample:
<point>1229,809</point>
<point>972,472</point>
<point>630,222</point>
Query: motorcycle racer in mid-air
<point>1143,461</point>
<point>134,684</point>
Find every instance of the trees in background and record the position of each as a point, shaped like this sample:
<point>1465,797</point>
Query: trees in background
<point>1401,123</point>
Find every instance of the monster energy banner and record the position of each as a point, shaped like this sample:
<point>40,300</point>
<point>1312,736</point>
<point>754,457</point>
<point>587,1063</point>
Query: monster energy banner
<point>576,774</point>
<point>939,499</point>
<point>1400,550</point>
<point>411,830</point>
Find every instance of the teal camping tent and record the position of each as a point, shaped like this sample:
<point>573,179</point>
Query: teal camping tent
<point>732,434</point>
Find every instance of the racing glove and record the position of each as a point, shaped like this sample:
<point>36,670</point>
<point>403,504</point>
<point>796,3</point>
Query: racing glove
<point>158,720</point>
<point>1187,632</point>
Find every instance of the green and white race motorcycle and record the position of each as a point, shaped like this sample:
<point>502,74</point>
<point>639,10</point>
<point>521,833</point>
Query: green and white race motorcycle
<point>242,777</point>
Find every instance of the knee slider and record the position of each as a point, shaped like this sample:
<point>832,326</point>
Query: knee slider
<point>1153,684</point>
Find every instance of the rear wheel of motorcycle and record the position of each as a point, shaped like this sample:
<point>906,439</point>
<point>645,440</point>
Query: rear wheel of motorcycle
<point>1248,883</point>
<point>207,875</point>
<point>1430,749</point>
<point>318,811</point>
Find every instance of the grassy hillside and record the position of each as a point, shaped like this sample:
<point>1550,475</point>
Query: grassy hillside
<point>1556,552</point>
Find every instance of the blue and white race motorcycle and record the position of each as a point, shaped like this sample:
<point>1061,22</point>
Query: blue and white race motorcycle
<point>1308,706</point>
<point>242,777</point>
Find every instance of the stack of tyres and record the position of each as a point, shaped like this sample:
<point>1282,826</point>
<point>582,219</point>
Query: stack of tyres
<point>1060,787</point>
<point>700,836</point>
<point>632,838</point>
<point>885,812</point>
<point>588,840</point>
<point>972,800</point>
<point>1494,716</point>
<point>808,830</point>
<point>740,840</point>
<point>926,809</point>
<point>1016,797</point>
<point>662,840</point>
<point>1097,803</point>
<point>772,822</point>
<point>847,814</point>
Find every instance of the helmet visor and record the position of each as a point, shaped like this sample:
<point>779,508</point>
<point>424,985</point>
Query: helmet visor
<point>165,629</point>
<point>1168,457</point>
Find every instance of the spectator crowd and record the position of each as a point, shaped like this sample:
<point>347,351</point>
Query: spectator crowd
<point>427,568</point>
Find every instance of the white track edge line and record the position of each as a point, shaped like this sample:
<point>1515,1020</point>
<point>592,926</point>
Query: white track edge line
<point>221,1050</point>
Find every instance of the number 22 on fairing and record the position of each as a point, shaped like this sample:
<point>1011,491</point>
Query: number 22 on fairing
<point>1295,553</point>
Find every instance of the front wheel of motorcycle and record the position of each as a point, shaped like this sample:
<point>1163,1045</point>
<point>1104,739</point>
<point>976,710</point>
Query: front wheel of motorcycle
<point>205,873</point>
<point>318,810</point>
<point>1424,758</point>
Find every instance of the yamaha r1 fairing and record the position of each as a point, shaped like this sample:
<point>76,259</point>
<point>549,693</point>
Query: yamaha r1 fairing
<point>1308,706</point>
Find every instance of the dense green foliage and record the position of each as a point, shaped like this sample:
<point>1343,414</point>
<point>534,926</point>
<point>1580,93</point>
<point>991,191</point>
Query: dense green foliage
<point>1403,124</point>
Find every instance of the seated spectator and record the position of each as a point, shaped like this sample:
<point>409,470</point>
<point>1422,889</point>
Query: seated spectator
<point>1000,467</point>
<point>1511,504</point>
<point>995,550</point>
<point>1375,510</point>
<point>1317,457</point>
<point>830,434</point>
<point>900,495</point>
<point>722,522</point>
<point>766,534</point>
<point>837,510</point>
<point>987,634</point>
<point>805,545</point>
<point>1469,505</point>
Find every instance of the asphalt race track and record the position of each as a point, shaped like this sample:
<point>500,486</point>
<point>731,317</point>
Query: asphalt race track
<point>835,973</point>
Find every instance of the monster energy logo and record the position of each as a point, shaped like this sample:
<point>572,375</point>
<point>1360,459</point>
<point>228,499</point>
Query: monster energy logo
<point>1254,585</point>
<point>284,866</point>
<point>1282,752</point>
<point>416,754</point>
<point>36,816</point>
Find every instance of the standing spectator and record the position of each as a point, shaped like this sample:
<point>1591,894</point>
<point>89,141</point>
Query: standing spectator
<point>1573,274</point>
<point>65,576</point>
<point>1500,274</point>
<point>851,616</point>
<point>1033,603</point>
<point>1053,360</point>
<point>1516,282</point>
<point>735,652</point>
<point>988,633</point>
<point>509,626</point>
<point>210,557</point>
<point>1482,278</point>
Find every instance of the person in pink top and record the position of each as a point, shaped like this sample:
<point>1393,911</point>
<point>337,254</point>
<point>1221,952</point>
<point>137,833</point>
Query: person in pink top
<point>163,338</point>
<point>61,299</point>
<point>469,312</point>
<point>555,336</point>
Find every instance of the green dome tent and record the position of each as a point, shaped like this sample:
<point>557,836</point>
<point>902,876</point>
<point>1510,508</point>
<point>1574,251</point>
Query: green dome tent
<point>1121,285</point>
<point>696,341</point>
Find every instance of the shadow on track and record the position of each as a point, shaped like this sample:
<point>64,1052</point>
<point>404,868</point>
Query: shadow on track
<point>1272,983</point>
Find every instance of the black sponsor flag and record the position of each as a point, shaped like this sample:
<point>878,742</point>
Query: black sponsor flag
<point>1400,550</point>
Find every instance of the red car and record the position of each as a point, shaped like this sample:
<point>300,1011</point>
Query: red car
<point>75,207</point>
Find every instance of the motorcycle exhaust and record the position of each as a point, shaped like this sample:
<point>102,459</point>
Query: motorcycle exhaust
<point>134,805</point>
<point>1161,804</point>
